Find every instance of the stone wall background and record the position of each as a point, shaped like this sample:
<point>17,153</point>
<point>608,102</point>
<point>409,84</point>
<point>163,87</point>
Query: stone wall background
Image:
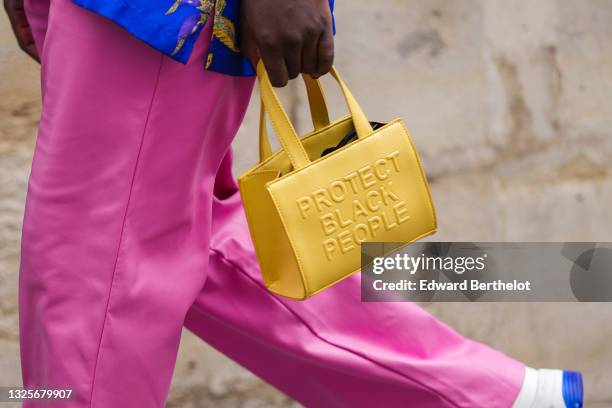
<point>508,102</point>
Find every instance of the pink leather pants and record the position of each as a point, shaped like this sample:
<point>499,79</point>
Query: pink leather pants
<point>134,228</point>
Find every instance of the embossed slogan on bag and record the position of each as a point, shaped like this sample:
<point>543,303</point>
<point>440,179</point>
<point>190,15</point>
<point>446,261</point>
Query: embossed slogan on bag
<point>356,207</point>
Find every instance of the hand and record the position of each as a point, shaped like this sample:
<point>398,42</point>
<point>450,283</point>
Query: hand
<point>292,37</point>
<point>21,27</point>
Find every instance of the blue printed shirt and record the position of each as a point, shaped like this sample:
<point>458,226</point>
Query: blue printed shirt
<point>172,26</point>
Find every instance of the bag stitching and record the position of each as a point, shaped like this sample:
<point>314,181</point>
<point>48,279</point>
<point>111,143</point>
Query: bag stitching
<point>291,242</point>
<point>247,208</point>
<point>423,175</point>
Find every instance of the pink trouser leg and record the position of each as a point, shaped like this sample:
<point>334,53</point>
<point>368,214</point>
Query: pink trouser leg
<point>118,215</point>
<point>332,350</point>
<point>133,222</point>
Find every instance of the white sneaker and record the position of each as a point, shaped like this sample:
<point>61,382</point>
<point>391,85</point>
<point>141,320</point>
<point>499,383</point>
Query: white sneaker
<point>550,389</point>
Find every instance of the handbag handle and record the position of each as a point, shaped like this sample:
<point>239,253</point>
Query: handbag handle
<point>284,129</point>
<point>317,103</point>
<point>318,112</point>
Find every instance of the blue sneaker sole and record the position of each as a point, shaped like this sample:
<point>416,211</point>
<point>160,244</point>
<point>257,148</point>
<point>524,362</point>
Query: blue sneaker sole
<point>573,390</point>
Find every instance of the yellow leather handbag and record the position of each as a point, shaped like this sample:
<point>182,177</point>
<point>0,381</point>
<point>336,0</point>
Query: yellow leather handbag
<point>309,209</point>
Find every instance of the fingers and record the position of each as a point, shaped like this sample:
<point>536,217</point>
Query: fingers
<point>310,55</point>
<point>325,59</point>
<point>314,57</point>
<point>21,27</point>
<point>283,60</point>
<point>275,66</point>
<point>293,58</point>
